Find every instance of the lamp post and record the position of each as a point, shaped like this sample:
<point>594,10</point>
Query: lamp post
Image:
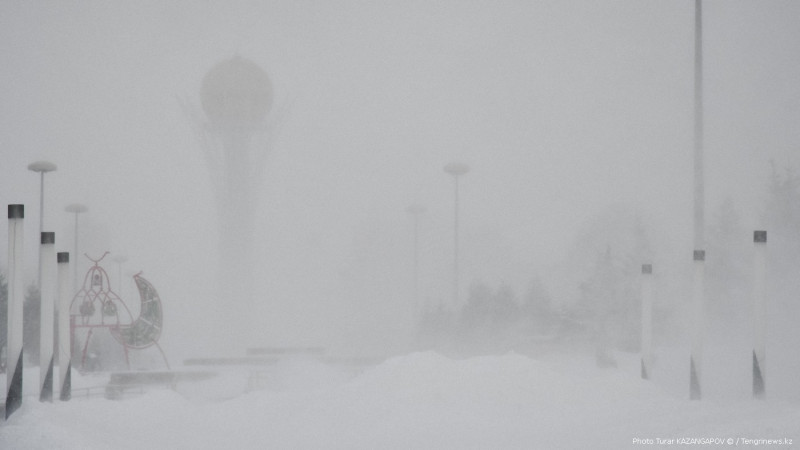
<point>75,208</point>
<point>47,281</point>
<point>698,296</point>
<point>759,312</point>
<point>456,169</point>
<point>42,167</point>
<point>646,288</point>
<point>119,259</point>
<point>64,342</point>
<point>699,185</point>
<point>415,211</point>
<point>16,300</point>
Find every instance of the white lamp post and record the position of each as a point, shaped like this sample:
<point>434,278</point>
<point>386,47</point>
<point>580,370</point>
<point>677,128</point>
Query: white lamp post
<point>698,296</point>
<point>47,281</point>
<point>16,299</point>
<point>75,208</point>
<point>759,312</point>
<point>647,320</point>
<point>456,169</point>
<point>42,167</point>
<point>64,335</point>
<point>415,211</point>
<point>119,259</point>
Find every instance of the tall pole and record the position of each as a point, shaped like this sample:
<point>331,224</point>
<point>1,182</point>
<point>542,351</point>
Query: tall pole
<point>64,340</point>
<point>47,258</point>
<point>16,298</point>
<point>697,310</point>
<point>759,313</point>
<point>455,169</point>
<point>119,260</point>
<point>41,201</point>
<point>75,208</point>
<point>699,188</point>
<point>75,252</point>
<point>647,320</point>
<point>416,211</point>
<point>698,293</point>
<point>455,245</point>
<point>42,167</point>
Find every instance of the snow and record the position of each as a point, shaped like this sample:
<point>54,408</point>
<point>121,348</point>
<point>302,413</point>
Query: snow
<point>417,401</point>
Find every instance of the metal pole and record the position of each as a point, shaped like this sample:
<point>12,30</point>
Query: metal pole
<point>75,208</point>
<point>455,246</point>
<point>456,169</point>
<point>119,260</point>
<point>696,358</point>
<point>47,261</point>
<point>416,211</point>
<point>41,167</point>
<point>759,313</point>
<point>75,264</point>
<point>416,258</point>
<point>647,320</point>
<point>41,228</point>
<point>699,187</point>
<point>64,341</point>
<point>698,297</point>
<point>16,299</point>
<point>41,207</point>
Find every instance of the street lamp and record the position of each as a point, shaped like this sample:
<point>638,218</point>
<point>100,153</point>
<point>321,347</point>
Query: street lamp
<point>120,259</point>
<point>75,208</point>
<point>456,169</point>
<point>415,211</point>
<point>698,295</point>
<point>42,167</point>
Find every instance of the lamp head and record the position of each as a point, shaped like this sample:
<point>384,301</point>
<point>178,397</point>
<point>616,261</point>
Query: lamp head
<point>416,209</point>
<point>119,259</point>
<point>456,168</point>
<point>42,166</point>
<point>76,208</point>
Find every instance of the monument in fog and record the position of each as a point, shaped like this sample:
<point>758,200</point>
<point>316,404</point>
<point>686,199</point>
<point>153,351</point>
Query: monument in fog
<point>236,97</point>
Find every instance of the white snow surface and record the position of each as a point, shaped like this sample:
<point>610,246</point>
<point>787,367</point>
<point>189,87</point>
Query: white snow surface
<point>418,401</point>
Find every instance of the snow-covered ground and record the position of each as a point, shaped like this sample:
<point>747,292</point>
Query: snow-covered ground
<point>418,401</point>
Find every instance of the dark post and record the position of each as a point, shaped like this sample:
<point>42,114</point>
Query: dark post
<point>16,298</point>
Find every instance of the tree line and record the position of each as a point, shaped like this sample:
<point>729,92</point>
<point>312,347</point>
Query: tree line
<point>601,305</point>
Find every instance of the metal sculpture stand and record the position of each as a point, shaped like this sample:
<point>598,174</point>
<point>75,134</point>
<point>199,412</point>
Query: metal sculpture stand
<point>96,306</point>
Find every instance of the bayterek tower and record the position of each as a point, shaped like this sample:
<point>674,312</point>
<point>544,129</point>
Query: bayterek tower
<point>236,96</point>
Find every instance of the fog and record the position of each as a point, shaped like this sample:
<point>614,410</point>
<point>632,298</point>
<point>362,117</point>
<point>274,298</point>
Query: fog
<point>570,114</point>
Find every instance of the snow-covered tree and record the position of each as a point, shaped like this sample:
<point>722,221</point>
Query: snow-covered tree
<point>489,310</point>
<point>603,299</point>
<point>538,309</point>
<point>489,320</point>
<point>782,219</point>
<point>604,266</point>
<point>782,216</point>
<point>728,264</point>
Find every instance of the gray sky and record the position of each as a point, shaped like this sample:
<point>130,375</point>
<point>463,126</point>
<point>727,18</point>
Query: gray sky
<point>561,108</point>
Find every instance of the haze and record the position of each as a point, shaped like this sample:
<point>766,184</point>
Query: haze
<point>566,111</point>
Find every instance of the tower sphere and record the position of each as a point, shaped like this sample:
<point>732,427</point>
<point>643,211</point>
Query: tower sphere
<point>236,94</point>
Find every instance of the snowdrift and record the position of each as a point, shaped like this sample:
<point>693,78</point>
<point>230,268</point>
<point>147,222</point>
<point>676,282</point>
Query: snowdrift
<point>418,401</point>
